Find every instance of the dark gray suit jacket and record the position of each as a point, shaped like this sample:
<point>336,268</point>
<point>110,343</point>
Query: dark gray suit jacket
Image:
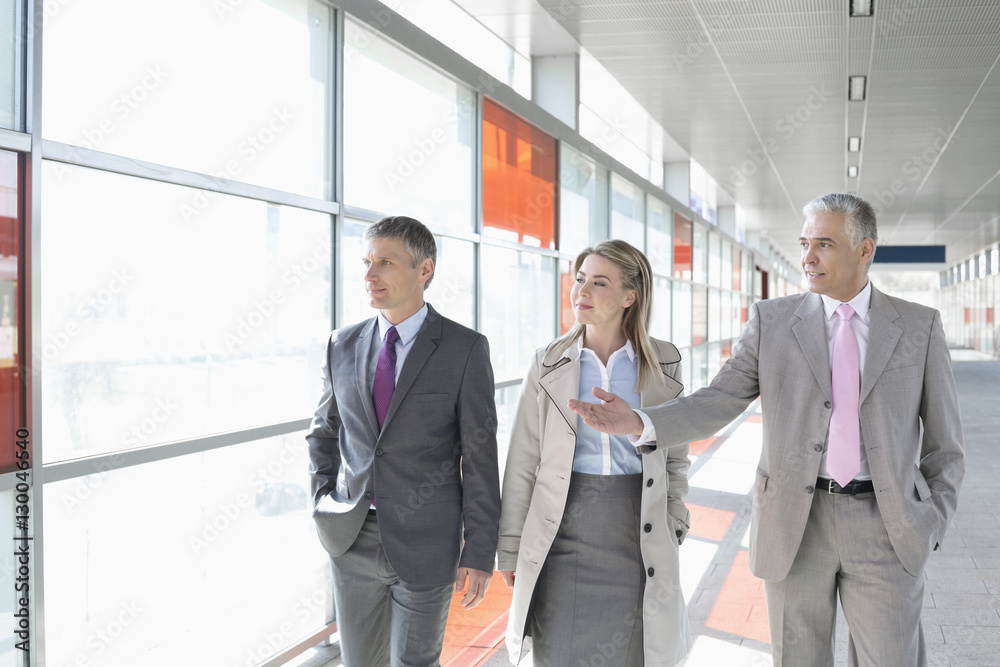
<point>433,466</point>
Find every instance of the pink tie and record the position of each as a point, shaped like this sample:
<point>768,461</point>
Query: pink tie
<point>843,459</point>
<point>385,376</point>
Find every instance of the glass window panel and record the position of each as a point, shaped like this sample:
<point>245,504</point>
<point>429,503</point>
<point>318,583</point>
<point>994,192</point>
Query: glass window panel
<point>519,179</point>
<point>583,203</point>
<point>726,277</point>
<point>130,570</point>
<point>682,314</point>
<point>715,315</point>
<point>11,408</point>
<point>567,318</point>
<point>155,328</point>
<point>408,130</point>
<point>506,400</point>
<point>518,312</point>
<point>714,260</point>
<point>699,367</point>
<point>659,245</point>
<point>686,366</point>
<point>699,271</point>
<point>627,212</point>
<point>699,317</point>
<point>682,247</point>
<point>714,361</point>
<point>452,291</point>
<point>10,65</point>
<point>198,91</point>
<point>725,315</point>
<point>661,308</point>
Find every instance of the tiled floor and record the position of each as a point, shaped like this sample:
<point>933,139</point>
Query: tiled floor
<point>726,603</point>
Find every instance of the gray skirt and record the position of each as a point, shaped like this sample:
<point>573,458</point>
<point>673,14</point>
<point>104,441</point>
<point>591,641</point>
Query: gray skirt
<point>587,607</point>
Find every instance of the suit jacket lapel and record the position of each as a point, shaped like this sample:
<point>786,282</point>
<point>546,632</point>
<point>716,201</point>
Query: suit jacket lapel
<point>361,360</point>
<point>883,334</point>
<point>423,346</point>
<point>810,332</point>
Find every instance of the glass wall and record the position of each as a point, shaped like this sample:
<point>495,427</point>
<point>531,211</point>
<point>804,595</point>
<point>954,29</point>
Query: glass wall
<point>969,300</point>
<point>628,218</point>
<point>519,180</point>
<point>583,201</point>
<point>10,66</point>
<point>11,406</point>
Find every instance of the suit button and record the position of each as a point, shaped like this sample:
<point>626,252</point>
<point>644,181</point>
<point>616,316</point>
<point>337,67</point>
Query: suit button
<point>817,448</point>
<point>368,495</point>
<point>648,527</point>
<point>649,482</point>
<point>828,405</point>
<point>378,452</point>
<point>809,489</point>
<point>649,572</point>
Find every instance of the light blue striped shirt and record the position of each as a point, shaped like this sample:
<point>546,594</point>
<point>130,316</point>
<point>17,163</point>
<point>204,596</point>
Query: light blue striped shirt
<point>599,453</point>
<point>407,330</point>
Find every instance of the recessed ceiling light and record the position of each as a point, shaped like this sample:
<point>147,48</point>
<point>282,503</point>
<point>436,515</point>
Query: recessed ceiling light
<point>856,88</point>
<point>852,171</point>
<point>861,7</point>
<point>854,144</point>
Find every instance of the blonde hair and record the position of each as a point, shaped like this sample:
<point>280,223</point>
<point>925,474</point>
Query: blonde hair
<point>637,275</point>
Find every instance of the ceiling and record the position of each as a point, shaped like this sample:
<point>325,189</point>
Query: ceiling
<point>756,92</point>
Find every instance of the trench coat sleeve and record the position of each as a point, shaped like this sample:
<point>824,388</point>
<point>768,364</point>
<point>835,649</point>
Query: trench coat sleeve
<point>523,456</point>
<point>677,477</point>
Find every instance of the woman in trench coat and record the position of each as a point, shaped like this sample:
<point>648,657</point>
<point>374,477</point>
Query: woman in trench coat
<point>590,529</point>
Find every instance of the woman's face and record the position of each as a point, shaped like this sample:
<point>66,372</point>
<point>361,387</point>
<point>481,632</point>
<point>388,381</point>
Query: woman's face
<point>598,296</point>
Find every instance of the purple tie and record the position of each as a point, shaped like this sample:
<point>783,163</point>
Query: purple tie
<point>843,458</point>
<point>385,376</point>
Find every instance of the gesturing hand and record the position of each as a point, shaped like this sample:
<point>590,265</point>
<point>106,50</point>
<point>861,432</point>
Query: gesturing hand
<point>612,416</point>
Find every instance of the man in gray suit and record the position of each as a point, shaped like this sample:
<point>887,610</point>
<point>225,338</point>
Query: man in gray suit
<point>862,526</point>
<point>404,460</point>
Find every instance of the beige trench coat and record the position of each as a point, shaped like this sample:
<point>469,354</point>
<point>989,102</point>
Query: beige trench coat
<point>536,484</point>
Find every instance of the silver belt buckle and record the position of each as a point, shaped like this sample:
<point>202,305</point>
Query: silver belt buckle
<point>829,488</point>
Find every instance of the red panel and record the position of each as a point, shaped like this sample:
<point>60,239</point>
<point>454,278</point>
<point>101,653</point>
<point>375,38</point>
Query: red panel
<point>737,281</point>
<point>519,178</point>
<point>10,309</point>
<point>683,239</point>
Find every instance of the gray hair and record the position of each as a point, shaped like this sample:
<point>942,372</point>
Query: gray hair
<point>414,235</point>
<point>858,214</point>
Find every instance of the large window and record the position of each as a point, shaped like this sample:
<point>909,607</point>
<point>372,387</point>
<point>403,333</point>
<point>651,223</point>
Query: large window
<point>10,65</point>
<point>11,416</point>
<point>210,555</point>
<point>191,86</point>
<point>583,201</point>
<point>157,329</point>
<point>409,137</point>
<point>683,233</point>
<point>659,236</point>
<point>519,180</point>
<point>518,307</point>
<point>628,218</point>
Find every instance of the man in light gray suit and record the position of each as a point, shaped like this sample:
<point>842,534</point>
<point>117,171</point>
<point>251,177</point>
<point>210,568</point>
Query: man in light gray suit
<point>866,537</point>
<point>403,459</point>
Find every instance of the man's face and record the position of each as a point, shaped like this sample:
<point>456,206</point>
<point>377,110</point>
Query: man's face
<point>831,266</point>
<point>393,284</point>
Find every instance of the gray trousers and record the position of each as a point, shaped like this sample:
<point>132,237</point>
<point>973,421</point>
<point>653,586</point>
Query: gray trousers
<point>846,550</point>
<point>383,620</point>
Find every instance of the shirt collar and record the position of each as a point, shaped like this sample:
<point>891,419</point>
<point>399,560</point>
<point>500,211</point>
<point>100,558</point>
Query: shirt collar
<point>629,350</point>
<point>860,303</point>
<point>407,329</point>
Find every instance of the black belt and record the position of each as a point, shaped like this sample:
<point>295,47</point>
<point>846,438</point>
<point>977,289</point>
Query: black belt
<point>371,511</point>
<point>852,489</point>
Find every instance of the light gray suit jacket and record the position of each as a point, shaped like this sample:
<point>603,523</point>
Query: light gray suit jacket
<point>910,422</point>
<point>433,467</point>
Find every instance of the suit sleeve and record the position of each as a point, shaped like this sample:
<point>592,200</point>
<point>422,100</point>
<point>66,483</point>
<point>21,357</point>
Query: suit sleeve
<point>523,457</point>
<point>678,465</point>
<point>477,415</point>
<point>942,454</point>
<point>324,436</point>
<point>703,413</point>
